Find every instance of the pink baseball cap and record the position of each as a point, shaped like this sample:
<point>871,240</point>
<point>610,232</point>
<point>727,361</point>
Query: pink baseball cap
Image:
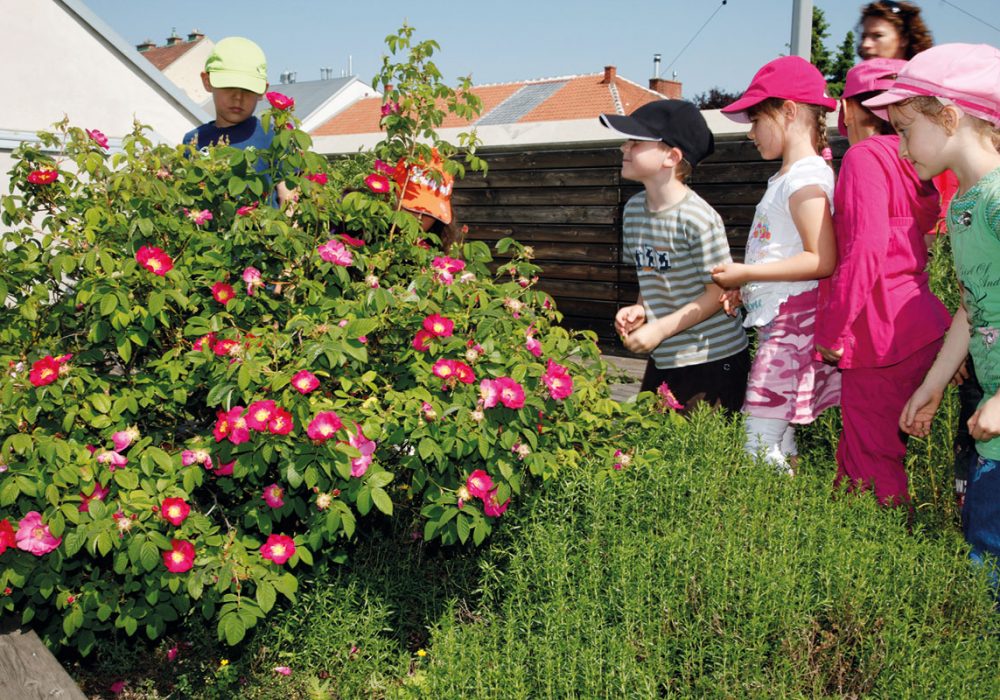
<point>875,74</point>
<point>787,78</point>
<point>966,74</point>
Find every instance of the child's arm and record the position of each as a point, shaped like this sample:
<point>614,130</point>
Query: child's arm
<point>648,335</point>
<point>811,213</point>
<point>919,410</point>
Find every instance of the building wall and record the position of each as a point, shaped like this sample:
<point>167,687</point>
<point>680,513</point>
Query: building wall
<point>185,72</point>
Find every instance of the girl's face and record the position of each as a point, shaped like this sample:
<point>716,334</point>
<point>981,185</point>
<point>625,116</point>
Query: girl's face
<point>642,160</point>
<point>879,39</point>
<point>767,135</point>
<point>921,140</point>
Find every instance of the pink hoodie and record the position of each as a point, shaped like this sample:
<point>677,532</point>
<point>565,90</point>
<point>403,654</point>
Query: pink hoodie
<point>878,306</point>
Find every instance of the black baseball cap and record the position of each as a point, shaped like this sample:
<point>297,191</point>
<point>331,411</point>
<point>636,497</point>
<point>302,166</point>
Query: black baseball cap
<point>677,123</point>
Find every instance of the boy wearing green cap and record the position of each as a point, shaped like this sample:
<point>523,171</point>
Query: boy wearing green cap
<point>236,76</point>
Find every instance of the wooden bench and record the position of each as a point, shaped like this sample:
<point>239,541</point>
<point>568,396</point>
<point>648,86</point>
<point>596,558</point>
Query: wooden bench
<point>29,671</point>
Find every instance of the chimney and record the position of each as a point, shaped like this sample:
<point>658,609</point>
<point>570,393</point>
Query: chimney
<point>174,38</point>
<point>671,89</point>
<point>145,46</point>
<point>195,35</point>
<point>656,65</point>
<point>609,75</point>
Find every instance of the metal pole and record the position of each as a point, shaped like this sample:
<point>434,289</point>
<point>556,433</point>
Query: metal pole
<point>802,14</point>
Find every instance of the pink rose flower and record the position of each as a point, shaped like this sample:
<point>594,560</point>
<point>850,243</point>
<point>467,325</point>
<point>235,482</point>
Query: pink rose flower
<point>124,438</point>
<point>98,494</point>
<point>493,509</point>
<point>174,510</point>
<point>390,108</point>
<point>279,101</point>
<point>34,536</point>
<point>253,280</point>
<point>231,424</point>
<point>43,176</point>
<point>324,426</point>
<point>533,346</point>
<point>489,393</point>
<point>667,398</point>
<point>279,549</point>
<point>199,217</point>
<point>97,137</point>
<point>333,251</point>
<point>438,325</point>
<point>280,423</point>
<point>7,536</point>
<point>44,371</point>
<point>479,484</point>
<point>383,168</point>
<point>154,260</point>
<point>180,557</point>
<point>421,340</point>
<point>305,382</point>
<point>558,381</point>
<point>259,414</point>
<point>318,178</point>
<point>223,293</point>
<point>225,469</point>
<point>274,496</point>
<point>511,393</point>
<point>247,209</point>
<point>379,184</point>
<point>359,465</point>
<point>352,241</point>
<point>446,264</point>
<point>112,459</point>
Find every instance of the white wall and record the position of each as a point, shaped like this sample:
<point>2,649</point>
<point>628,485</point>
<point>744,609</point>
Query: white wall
<point>185,72</point>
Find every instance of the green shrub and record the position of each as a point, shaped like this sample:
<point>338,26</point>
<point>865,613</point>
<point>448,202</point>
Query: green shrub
<point>204,391</point>
<point>701,575</point>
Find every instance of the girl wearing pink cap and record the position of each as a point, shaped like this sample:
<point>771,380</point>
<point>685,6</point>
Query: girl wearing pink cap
<point>945,104</point>
<point>878,319</point>
<point>791,245</point>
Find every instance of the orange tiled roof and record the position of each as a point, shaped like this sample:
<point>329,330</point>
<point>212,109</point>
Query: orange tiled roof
<point>163,56</point>
<point>579,97</point>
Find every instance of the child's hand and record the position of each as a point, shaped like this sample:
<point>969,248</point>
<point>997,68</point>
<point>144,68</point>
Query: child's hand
<point>985,422</point>
<point>730,275</point>
<point>645,339</point>
<point>961,375</point>
<point>629,318</point>
<point>831,356</point>
<point>919,411</point>
<point>731,301</point>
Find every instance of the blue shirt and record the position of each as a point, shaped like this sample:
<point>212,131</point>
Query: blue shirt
<point>247,134</point>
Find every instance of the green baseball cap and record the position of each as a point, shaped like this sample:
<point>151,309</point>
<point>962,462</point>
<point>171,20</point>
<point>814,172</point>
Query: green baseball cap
<point>237,63</point>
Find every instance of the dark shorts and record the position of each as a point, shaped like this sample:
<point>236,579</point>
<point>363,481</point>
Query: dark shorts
<point>718,383</point>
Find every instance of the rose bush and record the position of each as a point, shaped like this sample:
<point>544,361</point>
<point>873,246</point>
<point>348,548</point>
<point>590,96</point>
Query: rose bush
<point>202,391</point>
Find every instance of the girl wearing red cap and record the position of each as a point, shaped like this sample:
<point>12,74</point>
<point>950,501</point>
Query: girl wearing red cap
<point>791,245</point>
<point>878,319</point>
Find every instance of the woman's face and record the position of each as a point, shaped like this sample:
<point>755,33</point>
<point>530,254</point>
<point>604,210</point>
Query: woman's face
<point>879,39</point>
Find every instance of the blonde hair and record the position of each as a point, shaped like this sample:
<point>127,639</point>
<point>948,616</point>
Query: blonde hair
<point>771,107</point>
<point>932,108</point>
<point>683,170</point>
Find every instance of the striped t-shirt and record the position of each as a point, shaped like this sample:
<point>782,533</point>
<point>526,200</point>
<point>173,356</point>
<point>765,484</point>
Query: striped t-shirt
<point>674,251</point>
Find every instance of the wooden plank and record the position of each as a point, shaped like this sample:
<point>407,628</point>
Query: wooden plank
<point>526,233</point>
<point>540,215</point>
<point>562,196</point>
<point>754,173</point>
<point>541,159</point>
<point>29,671</point>
<point>546,253</point>
<point>570,177</point>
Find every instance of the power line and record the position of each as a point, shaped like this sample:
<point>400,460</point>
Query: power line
<point>695,35</point>
<point>966,12</point>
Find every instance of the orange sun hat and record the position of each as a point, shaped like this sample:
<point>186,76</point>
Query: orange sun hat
<point>426,189</point>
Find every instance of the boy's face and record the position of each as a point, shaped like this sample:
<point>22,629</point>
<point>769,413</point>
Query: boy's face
<point>921,140</point>
<point>232,105</point>
<point>644,160</point>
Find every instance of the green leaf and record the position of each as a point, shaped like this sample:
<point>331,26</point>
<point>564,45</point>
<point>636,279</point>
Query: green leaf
<point>266,596</point>
<point>126,479</point>
<point>109,304</point>
<point>382,500</point>
<point>149,555</point>
<point>231,629</point>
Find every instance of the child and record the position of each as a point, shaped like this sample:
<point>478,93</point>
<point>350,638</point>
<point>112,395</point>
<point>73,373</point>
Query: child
<point>791,245</point>
<point>236,76</point>
<point>945,104</point>
<point>878,319</point>
<point>676,239</point>
<point>425,191</point>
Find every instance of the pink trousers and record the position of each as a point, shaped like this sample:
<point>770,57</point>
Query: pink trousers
<point>872,447</point>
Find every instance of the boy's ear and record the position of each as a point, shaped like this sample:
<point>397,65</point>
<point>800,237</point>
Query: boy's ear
<point>674,157</point>
<point>206,83</point>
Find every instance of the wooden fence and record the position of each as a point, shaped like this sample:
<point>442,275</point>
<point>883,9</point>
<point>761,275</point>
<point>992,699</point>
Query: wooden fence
<point>566,201</point>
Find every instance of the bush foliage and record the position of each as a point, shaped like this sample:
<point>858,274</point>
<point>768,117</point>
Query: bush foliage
<point>204,391</point>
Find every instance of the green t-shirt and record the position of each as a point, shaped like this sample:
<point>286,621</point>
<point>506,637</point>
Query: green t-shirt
<point>974,225</point>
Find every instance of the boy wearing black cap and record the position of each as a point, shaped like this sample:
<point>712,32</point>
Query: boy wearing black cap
<point>675,239</point>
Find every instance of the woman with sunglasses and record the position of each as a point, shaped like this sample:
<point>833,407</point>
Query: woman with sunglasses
<point>891,29</point>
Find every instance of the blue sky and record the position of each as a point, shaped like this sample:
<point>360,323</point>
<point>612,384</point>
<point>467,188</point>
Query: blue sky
<point>519,39</point>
